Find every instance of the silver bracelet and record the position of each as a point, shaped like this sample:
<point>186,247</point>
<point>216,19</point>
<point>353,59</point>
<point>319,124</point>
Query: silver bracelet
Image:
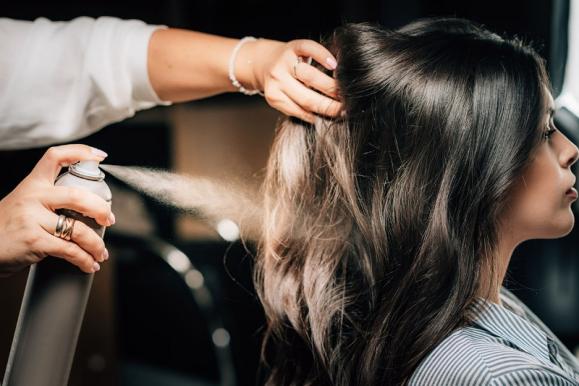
<point>232,77</point>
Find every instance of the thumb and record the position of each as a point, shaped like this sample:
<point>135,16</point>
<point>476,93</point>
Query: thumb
<point>57,157</point>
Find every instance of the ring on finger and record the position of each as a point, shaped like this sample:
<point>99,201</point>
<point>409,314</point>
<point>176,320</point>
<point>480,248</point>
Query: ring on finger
<point>300,59</point>
<point>64,227</point>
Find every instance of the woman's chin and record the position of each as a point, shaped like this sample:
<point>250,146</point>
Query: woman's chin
<point>566,224</point>
<point>556,229</point>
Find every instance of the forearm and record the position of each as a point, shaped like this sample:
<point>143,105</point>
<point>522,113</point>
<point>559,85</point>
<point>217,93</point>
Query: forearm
<point>186,65</point>
<point>64,80</point>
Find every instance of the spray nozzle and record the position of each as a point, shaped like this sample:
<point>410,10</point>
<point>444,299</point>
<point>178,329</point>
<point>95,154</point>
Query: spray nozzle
<point>87,169</point>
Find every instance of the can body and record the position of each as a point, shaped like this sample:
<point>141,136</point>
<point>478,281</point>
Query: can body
<point>52,309</point>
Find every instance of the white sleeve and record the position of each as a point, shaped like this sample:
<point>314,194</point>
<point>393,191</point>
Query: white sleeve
<point>60,81</point>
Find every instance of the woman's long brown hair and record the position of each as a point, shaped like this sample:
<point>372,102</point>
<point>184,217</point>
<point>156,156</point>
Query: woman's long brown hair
<point>378,223</point>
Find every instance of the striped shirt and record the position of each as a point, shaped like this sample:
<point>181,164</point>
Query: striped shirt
<point>505,345</point>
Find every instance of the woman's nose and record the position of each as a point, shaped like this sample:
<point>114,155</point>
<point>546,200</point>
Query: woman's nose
<point>570,154</point>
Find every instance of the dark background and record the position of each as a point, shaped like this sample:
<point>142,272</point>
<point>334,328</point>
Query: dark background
<point>297,19</point>
<point>158,334</point>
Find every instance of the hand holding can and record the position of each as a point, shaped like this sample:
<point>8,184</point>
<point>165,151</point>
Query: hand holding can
<point>28,218</point>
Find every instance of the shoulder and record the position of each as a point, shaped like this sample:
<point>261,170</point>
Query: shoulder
<point>470,356</point>
<point>533,376</point>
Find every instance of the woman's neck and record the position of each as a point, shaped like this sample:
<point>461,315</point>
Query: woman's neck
<point>489,288</point>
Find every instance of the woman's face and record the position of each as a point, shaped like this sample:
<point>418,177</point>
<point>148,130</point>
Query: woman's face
<point>540,206</point>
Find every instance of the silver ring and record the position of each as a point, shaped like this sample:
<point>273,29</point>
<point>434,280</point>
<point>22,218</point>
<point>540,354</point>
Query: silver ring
<point>298,61</point>
<point>64,227</point>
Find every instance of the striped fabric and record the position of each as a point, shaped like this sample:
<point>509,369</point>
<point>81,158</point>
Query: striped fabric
<point>506,345</point>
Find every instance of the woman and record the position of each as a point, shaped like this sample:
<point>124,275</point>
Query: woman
<point>389,230</point>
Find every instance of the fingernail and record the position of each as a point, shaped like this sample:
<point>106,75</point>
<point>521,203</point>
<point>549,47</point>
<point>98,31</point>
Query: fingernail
<point>106,254</point>
<point>96,267</point>
<point>111,219</point>
<point>331,62</point>
<point>98,152</point>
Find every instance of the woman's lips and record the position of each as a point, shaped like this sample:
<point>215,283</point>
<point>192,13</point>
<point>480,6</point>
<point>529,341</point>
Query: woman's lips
<point>572,193</point>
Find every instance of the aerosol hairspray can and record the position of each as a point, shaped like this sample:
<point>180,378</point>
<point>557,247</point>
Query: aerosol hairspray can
<point>54,302</point>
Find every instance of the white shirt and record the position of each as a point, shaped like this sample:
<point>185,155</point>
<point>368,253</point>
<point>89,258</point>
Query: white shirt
<point>60,81</point>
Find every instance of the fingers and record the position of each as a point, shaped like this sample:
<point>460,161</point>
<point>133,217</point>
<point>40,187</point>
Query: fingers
<point>308,75</point>
<point>86,239</point>
<point>82,201</point>
<point>89,241</point>
<point>318,52</point>
<point>311,100</point>
<point>299,89</point>
<point>71,252</point>
<point>314,78</point>
<point>58,156</point>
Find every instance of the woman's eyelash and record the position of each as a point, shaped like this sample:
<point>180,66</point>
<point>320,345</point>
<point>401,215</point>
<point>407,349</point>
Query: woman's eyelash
<point>547,134</point>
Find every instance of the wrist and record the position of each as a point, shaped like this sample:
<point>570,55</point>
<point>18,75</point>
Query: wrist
<point>242,72</point>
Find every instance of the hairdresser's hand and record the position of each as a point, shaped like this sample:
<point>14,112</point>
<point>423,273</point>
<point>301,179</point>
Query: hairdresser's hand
<point>28,220</point>
<point>296,88</point>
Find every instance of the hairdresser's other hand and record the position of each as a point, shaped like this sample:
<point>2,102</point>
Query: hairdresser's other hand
<point>296,88</point>
<point>28,220</point>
